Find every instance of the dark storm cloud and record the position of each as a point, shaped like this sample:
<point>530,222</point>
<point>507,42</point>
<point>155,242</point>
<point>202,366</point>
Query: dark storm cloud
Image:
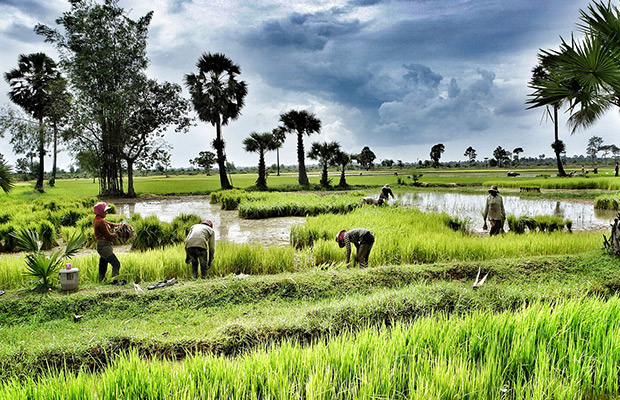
<point>302,32</point>
<point>22,33</point>
<point>422,75</point>
<point>34,8</point>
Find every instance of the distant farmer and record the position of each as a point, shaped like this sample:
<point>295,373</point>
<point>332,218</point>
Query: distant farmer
<point>386,192</point>
<point>371,201</point>
<point>200,238</point>
<point>104,243</point>
<point>494,210</point>
<point>363,240</point>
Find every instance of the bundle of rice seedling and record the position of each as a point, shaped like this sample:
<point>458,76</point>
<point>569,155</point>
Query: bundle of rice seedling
<point>124,232</point>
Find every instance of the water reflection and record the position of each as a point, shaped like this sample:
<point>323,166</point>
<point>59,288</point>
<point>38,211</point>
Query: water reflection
<point>584,216</point>
<point>227,224</point>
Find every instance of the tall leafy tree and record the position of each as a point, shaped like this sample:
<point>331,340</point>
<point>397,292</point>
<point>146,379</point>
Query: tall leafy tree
<point>342,160</point>
<point>58,113</point>
<point>366,158</point>
<point>325,153</point>
<point>501,155</point>
<point>470,153</point>
<point>260,143</point>
<point>204,160</point>
<point>594,146</point>
<point>160,107</point>
<point>31,88</point>
<point>218,97</point>
<point>103,52</point>
<point>301,123</point>
<point>436,152</point>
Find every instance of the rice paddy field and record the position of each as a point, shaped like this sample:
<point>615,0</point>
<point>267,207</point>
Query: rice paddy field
<point>296,322</point>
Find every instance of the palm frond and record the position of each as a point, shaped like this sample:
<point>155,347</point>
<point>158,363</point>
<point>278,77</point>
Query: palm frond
<point>74,244</point>
<point>27,240</point>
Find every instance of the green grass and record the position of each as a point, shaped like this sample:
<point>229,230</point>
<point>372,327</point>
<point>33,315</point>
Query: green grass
<point>565,350</point>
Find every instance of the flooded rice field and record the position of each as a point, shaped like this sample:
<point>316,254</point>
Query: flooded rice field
<point>275,231</point>
<point>583,215</point>
<point>227,224</point>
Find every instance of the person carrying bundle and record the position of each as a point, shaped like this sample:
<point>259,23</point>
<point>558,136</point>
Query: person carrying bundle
<point>104,243</point>
<point>494,210</point>
<point>201,237</point>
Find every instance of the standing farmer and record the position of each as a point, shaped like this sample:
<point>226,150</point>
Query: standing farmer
<point>104,243</point>
<point>200,238</point>
<point>363,240</point>
<point>386,192</point>
<point>494,210</point>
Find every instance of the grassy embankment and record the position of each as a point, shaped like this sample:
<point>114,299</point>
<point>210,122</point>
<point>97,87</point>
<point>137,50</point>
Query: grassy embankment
<point>461,341</point>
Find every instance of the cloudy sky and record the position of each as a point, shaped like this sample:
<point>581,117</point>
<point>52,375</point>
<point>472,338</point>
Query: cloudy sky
<point>396,75</point>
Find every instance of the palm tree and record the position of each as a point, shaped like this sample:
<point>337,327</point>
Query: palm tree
<point>279,134</point>
<point>31,84</point>
<point>218,97</point>
<point>302,123</point>
<point>6,178</point>
<point>543,76</point>
<point>260,143</point>
<point>342,159</point>
<point>516,152</point>
<point>325,154</point>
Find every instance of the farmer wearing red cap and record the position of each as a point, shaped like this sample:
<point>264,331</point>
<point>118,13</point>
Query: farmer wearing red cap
<point>363,240</point>
<point>494,210</point>
<point>200,238</point>
<point>104,243</point>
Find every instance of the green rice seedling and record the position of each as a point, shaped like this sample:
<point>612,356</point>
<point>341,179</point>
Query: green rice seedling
<point>151,233</point>
<point>47,235</point>
<point>7,239</point>
<point>71,216</point>
<point>609,201</point>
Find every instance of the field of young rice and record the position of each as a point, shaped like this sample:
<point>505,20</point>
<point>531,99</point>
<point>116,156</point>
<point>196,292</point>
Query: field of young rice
<point>568,350</point>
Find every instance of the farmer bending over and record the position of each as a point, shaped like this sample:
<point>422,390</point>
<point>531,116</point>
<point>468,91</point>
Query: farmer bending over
<point>363,240</point>
<point>200,238</point>
<point>386,192</point>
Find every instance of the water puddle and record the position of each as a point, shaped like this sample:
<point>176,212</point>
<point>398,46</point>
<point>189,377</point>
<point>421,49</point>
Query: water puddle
<point>227,224</point>
<point>583,215</point>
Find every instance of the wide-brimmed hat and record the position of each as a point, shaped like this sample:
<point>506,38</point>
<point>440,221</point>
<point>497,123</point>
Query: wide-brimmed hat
<point>340,238</point>
<point>207,222</point>
<point>493,189</point>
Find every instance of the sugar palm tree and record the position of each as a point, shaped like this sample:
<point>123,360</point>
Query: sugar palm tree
<point>260,143</point>
<point>542,77</point>
<point>325,154</point>
<point>218,97</point>
<point>301,123</point>
<point>31,84</point>
<point>6,178</point>
<point>279,134</point>
<point>342,159</point>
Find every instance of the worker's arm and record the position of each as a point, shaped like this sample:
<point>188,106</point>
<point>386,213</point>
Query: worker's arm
<point>211,248</point>
<point>503,211</point>
<point>347,244</point>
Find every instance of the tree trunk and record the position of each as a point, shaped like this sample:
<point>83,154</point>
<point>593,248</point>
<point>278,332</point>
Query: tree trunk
<point>39,185</point>
<point>130,190</point>
<point>324,180</point>
<point>343,180</point>
<point>303,177</point>
<point>261,182</point>
<point>558,158</point>
<point>221,157</point>
<point>278,160</point>
<point>55,156</point>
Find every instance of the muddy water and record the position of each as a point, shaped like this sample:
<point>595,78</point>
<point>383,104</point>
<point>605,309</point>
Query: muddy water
<point>583,215</point>
<point>227,224</point>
